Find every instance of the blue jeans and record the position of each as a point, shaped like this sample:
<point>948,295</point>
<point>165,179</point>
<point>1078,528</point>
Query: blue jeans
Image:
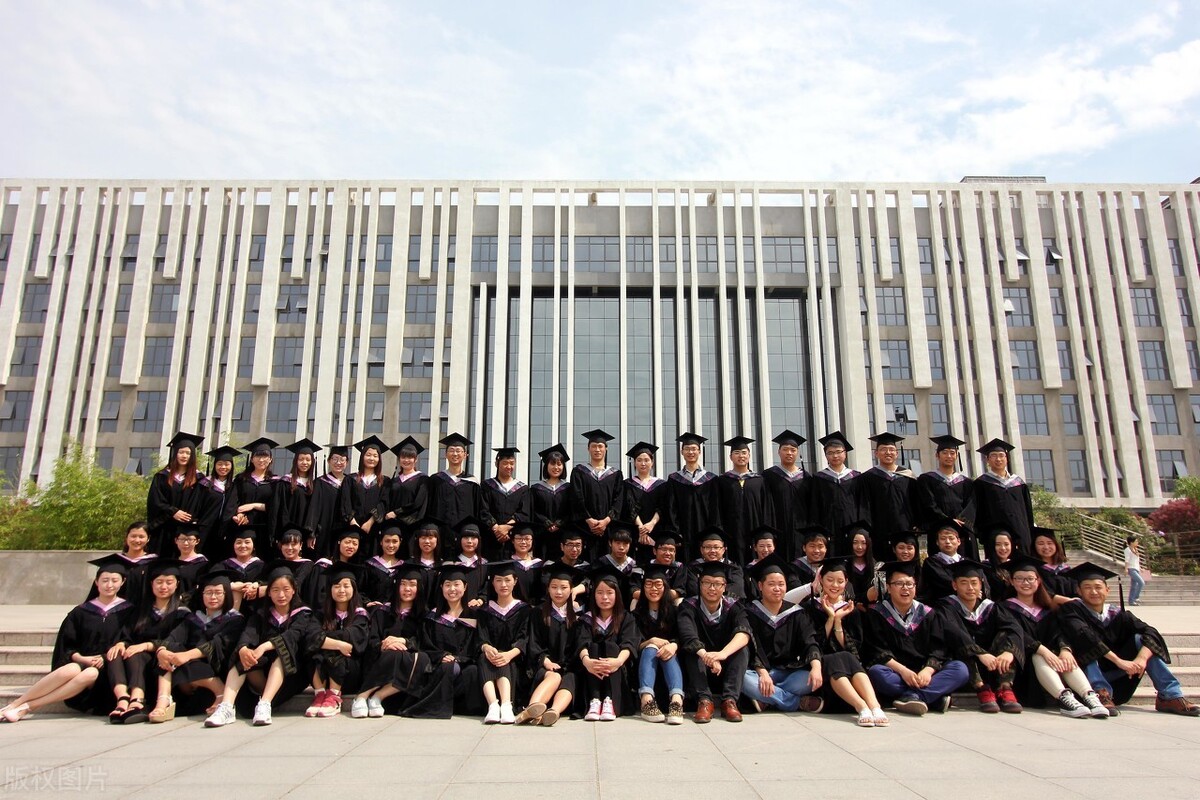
<point>889,685</point>
<point>648,665</point>
<point>1136,584</point>
<point>790,686</point>
<point>1165,683</point>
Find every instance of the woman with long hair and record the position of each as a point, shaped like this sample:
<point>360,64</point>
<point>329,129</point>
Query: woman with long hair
<point>608,639</point>
<point>292,506</point>
<point>176,496</point>
<point>340,643</point>
<point>407,496</point>
<point>644,501</point>
<point>399,669</point>
<point>658,652</point>
<point>218,508</point>
<point>553,648</point>
<point>450,639</point>
<point>550,499</point>
<point>136,558</point>
<point>363,491</point>
<point>253,494</point>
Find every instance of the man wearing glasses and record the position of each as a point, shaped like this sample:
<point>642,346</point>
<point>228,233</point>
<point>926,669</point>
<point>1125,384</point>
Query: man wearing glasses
<point>713,634</point>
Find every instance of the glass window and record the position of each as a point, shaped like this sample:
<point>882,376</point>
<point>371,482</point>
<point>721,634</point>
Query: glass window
<point>1058,309</point>
<point>706,253</point>
<point>485,253</point>
<point>124,298</point>
<point>1077,466</point>
<point>603,253</point>
<point>292,305</point>
<point>1145,308</point>
<point>1176,257</point>
<point>110,411</point>
<point>1171,465</point>
<point>1039,469</point>
<point>149,412</point>
<point>379,303</point>
<point>10,468</point>
<point>929,297</point>
<point>253,302</point>
<point>1072,426</point>
<point>246,357</point>
<point>156,360</point>
<point>639,254</point>
<point>1024,360</point>
<point>783,254</point>
<point>416,359</point>
<point>258,250</point>
<point>283,409</point>
<point>36,302</point>
<point>1164,415</point>
<point>1193,353</point>
<point>1185,307</point>
<point>1154,360</point>
<point>164,302</point>
<point>243,411</point>
<point>900,413</point>
<point>1031,415</point>
<point>420,304</point>
<point>897,264</point>
<point>543,254</point>
<point>937,366</point>
<point>889,304</point>
<point>1066,363</point>
<point>26,352</point>
<point>15,411</point>
<point>116,356</point>
<point>377,355</point>
<point>1017,308</point>
<point>896,364</point>
<point>129,252</point>
<point>415,412</point>
<point>939,414</point>
<point>925,255</point>
<point>289,357</point>
<point>1053,255</point>
<point>1195,401</point>
<point>374,419</point>
<point>383,253</point>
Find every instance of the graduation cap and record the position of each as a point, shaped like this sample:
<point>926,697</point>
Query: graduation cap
<point>1086,571</point>
<point>110,563</point>
<point>188,529</point>
<point>714,569</point>
<point>304,446</point>
<point>948,524</point>
<point>468,526</point>
<point>656,572</point>
<point>597,435</point>
<point>619,528</point>
<point>885,438</point>
<point>260,446</point>
<point>250,532</point>
<point>507,451</point>
<point>342,450</point>
<point>690,438</point>
<point>642,447</point>
<point>281,568</point>
<point>408,571</point>
<point>739,443</point>
<point>1019,562</point>
<point>554,451</point>
<point>188,440</point>
<point>834,439</point>
<point>496,569</point>
<point>667,539</point>
<point>371,441</point>
<point>838,564</point>
<point>1049,533</point>
<point>342,570</point>
<point>559,571</point>
<point>163,566</point>
<point>810,532</point>
<point>571,531</point>
<point>452,571</point>
<point>223,453</point>
<point>857,526</point>
<point>428,524</point>
<point>604,569</point>
<point>391,528</point>
<point>904,536</point>
<point>409,444</point>
<point>524,528</point>
<point>215,574</point>
<point>908,568</point>
<point>764,532</point>
<point>712,534</point>
<point>994,445</point>
<point>347,533</point>
<point>772,564</point>
<point>947,442</point>
<point>968,568</point>
<point>789,437</point>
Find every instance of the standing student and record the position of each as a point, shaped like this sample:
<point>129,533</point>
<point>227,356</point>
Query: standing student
<point>218,508</point>
<point>658,652</point>
<point>363,491</point>
<point>453,493</point>
<point>1133,568</point>
<point>645,499</point>
<point>177,495</point>
<point>327,501</point>
<point>503,642</point>
<point>1002,499</point>
<point>834,494</point>
<point>504,502</point>
<point>339,642</point>
<point>885,490</point>
<point>787,493</point>
<point>713,635</point>
<point>407,495</point>
<point>451,641</point>
<point>254,491</point>
<point>945,492</point>
<point>596,492</point>
<point>553,649</point>
<point>293,505</point>
<point>692,496</point>
<point>550,498</point>
<point>742,498</point>
<point>399,669</point>
<point>608,639</point>
<point>937,573</point>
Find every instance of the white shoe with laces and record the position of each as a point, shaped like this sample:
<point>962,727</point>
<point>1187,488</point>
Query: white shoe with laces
<point>358,709</point>
<point>593,712</point>
<point>262,712</point>
<point>607,714</point>
<point>493,714</point>
<point>221,717</point>
<point>374,708</point>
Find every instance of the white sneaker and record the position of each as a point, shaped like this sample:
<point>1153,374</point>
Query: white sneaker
<point>607,714</point>
<point>358,709</point>
<point>374,708</point>
<point>506,714</point>
<point>493,714</point>
<point>262,712</point>
<point>1069,706</point>
<point>222,716</point>
<point>593,712</point>
<point>1095,707</point>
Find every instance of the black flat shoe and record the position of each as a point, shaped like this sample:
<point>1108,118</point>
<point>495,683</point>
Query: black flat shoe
<point>135,714</point>
<point>117,715</point>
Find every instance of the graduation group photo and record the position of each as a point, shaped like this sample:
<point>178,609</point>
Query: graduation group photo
<point>598,591</point>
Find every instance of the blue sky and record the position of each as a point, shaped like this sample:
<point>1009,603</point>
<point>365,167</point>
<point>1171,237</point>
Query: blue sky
<point>838,91</point>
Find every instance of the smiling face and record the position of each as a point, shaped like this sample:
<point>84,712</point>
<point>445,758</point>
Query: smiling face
<point>370,459</point>
<point>456,454</point>
<point>243,547</point>
<point>453,591</point>
<point>389,543</point>
<point>858,545</point>
<point>505,468</point>
<point>304,464</point>
<point>341,592</point>
<point>1003,547</point>
<point>136,540</point>
<point>427,542</point>
<point>183,457</point>
<point>222,469</point>
<point>712,550</point>
<point>904,551</point>
<point>522,545</point>
<point>108,584</point>
<point>664,553</point>
<point>261,462</point>
<point>947,459</point>
<point>654,589</point>
<point>886,455</point>
<point>408,462</point>
<point>1046,548</point>
<point>290,549</point>
<point>901,589</point>
<point>407,590</point>
<point>1093,592</point>
<point>597,451</point>
<point>740,458</point>
<point>165,586</point>
<point>814,549</point>
<point>836,456</point>
<point>555,468</point>
<point>214,597</point>
<point>764,547</point>
<point>691,455</point>
<point>281,592</point>
<point>997,461</point>
<point>833,585</point>
<point>337,465</point>
<point>772,588</point>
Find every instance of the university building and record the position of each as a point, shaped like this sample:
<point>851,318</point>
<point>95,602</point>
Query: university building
<point>1059,317</point>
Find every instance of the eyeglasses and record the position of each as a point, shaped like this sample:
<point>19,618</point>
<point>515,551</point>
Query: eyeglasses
<point>712,584</point>
<point>903,584</point>
<point>1028,579</point>
<point>214,592</point>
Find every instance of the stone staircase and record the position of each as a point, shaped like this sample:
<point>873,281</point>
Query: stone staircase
<point>1161,590</point>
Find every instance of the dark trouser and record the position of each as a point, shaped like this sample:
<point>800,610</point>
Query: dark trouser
<point>130,671</point>
<point>705,684</point>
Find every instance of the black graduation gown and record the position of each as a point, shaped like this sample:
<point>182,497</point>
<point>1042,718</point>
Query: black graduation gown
<point>550,508</point>
<point>596,497</point>
<point>833,504</point>
<point>450,693</point>
<point>735,589</point>
<point>785,641</point>
<point>293,507</point>
<point>838,659</point>
<point>291,637</point>
<point>346,671</point>
<point>189,574</point>
<point>135,588</point>
<point>697,632</point>
<point>409,670</point>
<point>995,631</point>
<point>998,587</point>
<point>642,502</point>
<point>504,631</point>
<point>1004,503</point>
<point>936,497</point>
<point>475,578</point>
<point>692,507</point>
<point>859,580</point>
<point>379,581</point>
<point>215,639</point>
<point>1057,581</point>
<point>327,513</point>
<point>248,490</point>
<point>214,519</point>
<point>1092,636</point>
<point>936,581</point>
<point>885,499</point>
<point>744,505</point>
<point>788,494</point>
<point>608,643</point>
<point>362,502</point>
<point>451,500</point>
<point>250,572</point>
<point>916,643</point>
<point>1042,629</point>
<point>408,498</point>
<point>551,638</point>
<point>90,631</point>
<point>499,506</point>
<point>166,496</point>
<point>529,578</point>
<point>751,591</point>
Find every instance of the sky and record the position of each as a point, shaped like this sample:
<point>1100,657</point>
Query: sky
<point>1099,91</point>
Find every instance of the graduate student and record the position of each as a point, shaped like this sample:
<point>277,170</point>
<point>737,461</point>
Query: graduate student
<point>713,635</point>
<point>904,548</point>
<point>742,498</point>
<point>503,642</point>
<point>946,493</point>
<point>379,571</point>
<point>785,663</point>
<point>692,496</point>
<point>189,562</point>
<point>834,493</point>
<point>553,649</point>
<point>998,586</point>
<point>218,510</point>
<point>177,495</point>
<point>905,650</point>
<point>504,502</point>
<point>596,492</point>
<point>454,494</point>
<point>1048,550</point>
<point>85,641</point>
<point>658,653</point>
<point>425,547</point>
<point>788,493</point>
<point>1116,649</point>
<point>1002,499</point>
<point>550,499</point>
<point>244,569</point>
<point>407,496</point>
<point>860,564</point>
<point>807,568</point>
<point>293,505</point>
<point>937,578</point>
<point>644,499</point>
<point>363,491</point>
<point>472,564</point>
<point>397,672</point>
<point>620,543</point>
<point>339,642</point>
<point>306,575</point>
<point>674,572</point>
<point>253,493</point>
<point>346,550</point>
<point>327,501</point>
<point>764,541</point>
<point>608,640</point>
<point>526,565</point>
<point>885,490</point>
<point>712,550</point>
<point>450,639</point>
<point>136,558</point>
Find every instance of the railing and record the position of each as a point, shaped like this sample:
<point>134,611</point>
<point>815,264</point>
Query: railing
<point>1104,538</point>
<point>1174,554</point>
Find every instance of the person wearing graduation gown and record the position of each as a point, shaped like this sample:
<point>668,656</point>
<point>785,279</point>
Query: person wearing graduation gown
<point>1049,551</point>
<point>691,497</point>
<point>764,542</point>
<point>937,578</point>
<point>363,491</point>
<point>339,641</point>
<point>620,542</point>
<point>657,621</point>
<point>379,571</point>
<point>454,494</point>
<point>504,501</point>
<point>552,658</point>
<point>472,564</point>
<point>450,639</point>
<point>398,673</point>
<point>177,495</point>
<point>550,500</point>
<point>425,548</point>
<point>904,650</point>
<point>1003,499</point>
<point>253,493</point>
<point>85,641</point>
<point>327,502</point>
<point>985,636</point>
<point>407,496</point>
<point>136,560</point>
<point>219,502</point>
<point>596,493</point>
<point>785,662</point>
<point>271,653</point>
<point>946,493</point>
<point>904,548</point>
<point>712,549</point>
<point>742,499</point>
<point>293,505</point>
<point>503,625</point>
<point>860,564</point>
<point>608,640</point>
<point>885,490</point>
<point>346,550</point>
<point>1116,649</point>
<point>526,565</point>
<point>807,568</point>
<point>199,649</point>
<point>190,563</point>
<point>787,492</point>
<point>714,635</point>
<point>834,494</point>
<point>644,500</point>
<point>304,573</point>
<point>675,571</point>
<point>998,585</point>
<point>1050,666</point>
<point>244,568</point>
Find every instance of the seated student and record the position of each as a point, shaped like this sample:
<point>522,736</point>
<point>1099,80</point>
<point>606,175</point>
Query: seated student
<point>503,641</point>
<point>191,563</point>
<point>424,547</point>
<point>135,652</point>
<point>396,667</point>
<point>998,586</point>
<point>608,639</point>
<point>936,579</point>
<point>339,643</point>
<point>244,568</point>
<point>620,542</point>
<point>472,565</point>
<point>904,648</point>
<point>1052,558</point>
<point>861,562</point>
<point>86,638</point>
<point>270,655</point>
<point>198,651</point>
<point>345,551</point>
<point>304,572</point>
<point>379,575</point>
<point>1050,663</point>
<point>451,641</point>
<point>659,648</point>
<point>816,546</point>
<point>785,661</point>
<point>985,636</point>
<point>528,566</point>
<point>713,635</point>
<point>1116,649</point>
<point>764,540</point>
<point>904,548</point>
<point>712,551</point>
<point>553,649</point>
<point>839,630</point>
<point>571,555</point>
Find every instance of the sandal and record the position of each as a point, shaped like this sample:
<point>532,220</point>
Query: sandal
<point>115,716</point>
<point>136,713</point>
<point>163,713</point>
<point>866,719</point>
<point>13,713</point>
<point>879,718</point>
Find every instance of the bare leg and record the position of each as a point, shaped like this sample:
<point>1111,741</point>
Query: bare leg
<point>562,701</point>
<point>862,685</point>
<point>545,690</point>
<point>385,692</point>
<point>845,690</point>
<point>274,681</point>
<point>164,692</point>
<point>504,688</point>
<point>49,683</point>
<point>489,693</point>
<point>233,684</point>
<point>81,682</point>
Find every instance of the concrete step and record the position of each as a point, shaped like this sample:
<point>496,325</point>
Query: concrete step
<point>22,674</point>
<point>26,654</point>
<point>294,706</point>
<point>32,638</point>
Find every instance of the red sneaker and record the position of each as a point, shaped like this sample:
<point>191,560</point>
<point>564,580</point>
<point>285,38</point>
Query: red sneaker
<point>1008,701</point>
<point>987,701</point>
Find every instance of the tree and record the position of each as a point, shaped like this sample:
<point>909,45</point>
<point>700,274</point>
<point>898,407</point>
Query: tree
<point>1177,516</point>
<point>1049,512</point>
<point>1189,487</point>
